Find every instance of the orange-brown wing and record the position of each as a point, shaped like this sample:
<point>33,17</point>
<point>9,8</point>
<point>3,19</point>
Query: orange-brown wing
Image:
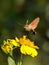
<point>34,23</point>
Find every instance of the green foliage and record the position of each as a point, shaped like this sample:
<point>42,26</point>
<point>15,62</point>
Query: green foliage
<point>11,61</point>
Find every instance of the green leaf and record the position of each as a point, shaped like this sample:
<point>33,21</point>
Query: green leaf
<point>11,61</point>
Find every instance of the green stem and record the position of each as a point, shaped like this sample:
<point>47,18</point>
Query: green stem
<point>21,60</point>
<point>11,54</point>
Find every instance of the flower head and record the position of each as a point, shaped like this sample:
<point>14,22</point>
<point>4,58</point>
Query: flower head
<point>28,42</point>
<point>9,45</point>
<point>28,47</point>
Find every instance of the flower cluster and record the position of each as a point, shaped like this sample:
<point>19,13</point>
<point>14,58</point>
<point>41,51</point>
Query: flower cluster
<point>25,44</point>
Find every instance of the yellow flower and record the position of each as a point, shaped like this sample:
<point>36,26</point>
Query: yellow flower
<point>7,48</point>
<point>28,50</point>
<point>28,47</point>
<point>27,42</point>
<point>9,45</point>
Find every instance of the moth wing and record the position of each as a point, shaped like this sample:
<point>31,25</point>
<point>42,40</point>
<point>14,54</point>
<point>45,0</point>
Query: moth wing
<point>34,23</point>
<point>27,22</point>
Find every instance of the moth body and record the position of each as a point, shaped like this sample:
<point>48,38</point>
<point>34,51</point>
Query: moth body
<point>32,26</point>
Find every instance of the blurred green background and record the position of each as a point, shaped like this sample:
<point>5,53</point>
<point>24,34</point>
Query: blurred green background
<point>13,16</point>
